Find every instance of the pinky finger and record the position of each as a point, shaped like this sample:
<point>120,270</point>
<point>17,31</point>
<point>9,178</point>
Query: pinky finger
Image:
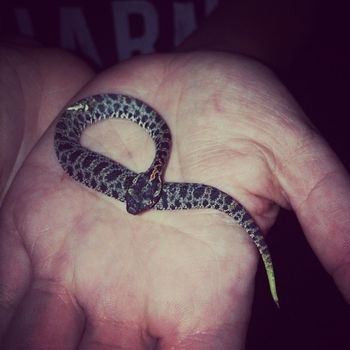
<point>45,320</point>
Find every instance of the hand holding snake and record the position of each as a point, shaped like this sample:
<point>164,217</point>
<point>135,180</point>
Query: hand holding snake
<point>163,278</point>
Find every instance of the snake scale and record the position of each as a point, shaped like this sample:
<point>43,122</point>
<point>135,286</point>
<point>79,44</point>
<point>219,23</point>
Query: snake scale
<point>145,190</point>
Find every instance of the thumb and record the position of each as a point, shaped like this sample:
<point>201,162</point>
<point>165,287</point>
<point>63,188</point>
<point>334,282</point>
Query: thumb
<point>319,192</point>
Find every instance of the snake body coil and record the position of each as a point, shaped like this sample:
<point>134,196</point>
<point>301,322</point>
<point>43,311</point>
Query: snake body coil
<point>145,190</point>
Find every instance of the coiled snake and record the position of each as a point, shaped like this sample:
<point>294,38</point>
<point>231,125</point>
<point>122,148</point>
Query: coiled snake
<point>145,190</point>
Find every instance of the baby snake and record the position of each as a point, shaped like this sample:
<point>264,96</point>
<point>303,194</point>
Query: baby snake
<point>145,190</point>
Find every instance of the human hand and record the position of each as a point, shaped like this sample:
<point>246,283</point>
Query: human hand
<point>86,274</point>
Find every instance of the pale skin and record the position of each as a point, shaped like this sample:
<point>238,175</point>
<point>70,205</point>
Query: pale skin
<point>78,272</point>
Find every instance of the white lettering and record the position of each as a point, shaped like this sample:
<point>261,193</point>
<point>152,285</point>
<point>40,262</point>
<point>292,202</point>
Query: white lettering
<point>126,44</point>
<point>75,33</point>
<point>185,21</point>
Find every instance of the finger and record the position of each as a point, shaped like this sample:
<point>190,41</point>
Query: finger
<point>319,192</point>
<point>46,318</point>
<point>14,270</point>
<point>213,339</point>
<point>106,334</point>
<point>27,109</point>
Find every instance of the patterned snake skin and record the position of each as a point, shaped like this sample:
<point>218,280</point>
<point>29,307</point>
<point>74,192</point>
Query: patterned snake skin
<point>145,190</point>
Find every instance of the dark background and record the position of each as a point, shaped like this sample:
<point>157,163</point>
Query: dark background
<point>313,314</point>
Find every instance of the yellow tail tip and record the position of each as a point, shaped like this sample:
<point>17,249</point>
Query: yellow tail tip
<point>272,285</point>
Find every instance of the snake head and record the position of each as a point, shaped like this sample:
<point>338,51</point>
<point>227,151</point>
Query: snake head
<point>144,192</point>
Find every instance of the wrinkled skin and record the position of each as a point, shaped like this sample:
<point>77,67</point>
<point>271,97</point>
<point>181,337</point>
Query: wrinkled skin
<point>78,272</point>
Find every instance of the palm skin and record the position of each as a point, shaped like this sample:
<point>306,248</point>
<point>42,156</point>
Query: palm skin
<point>86,274</point>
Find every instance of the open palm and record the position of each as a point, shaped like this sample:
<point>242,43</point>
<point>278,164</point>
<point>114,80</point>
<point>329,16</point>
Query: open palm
<point>83,273</point>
